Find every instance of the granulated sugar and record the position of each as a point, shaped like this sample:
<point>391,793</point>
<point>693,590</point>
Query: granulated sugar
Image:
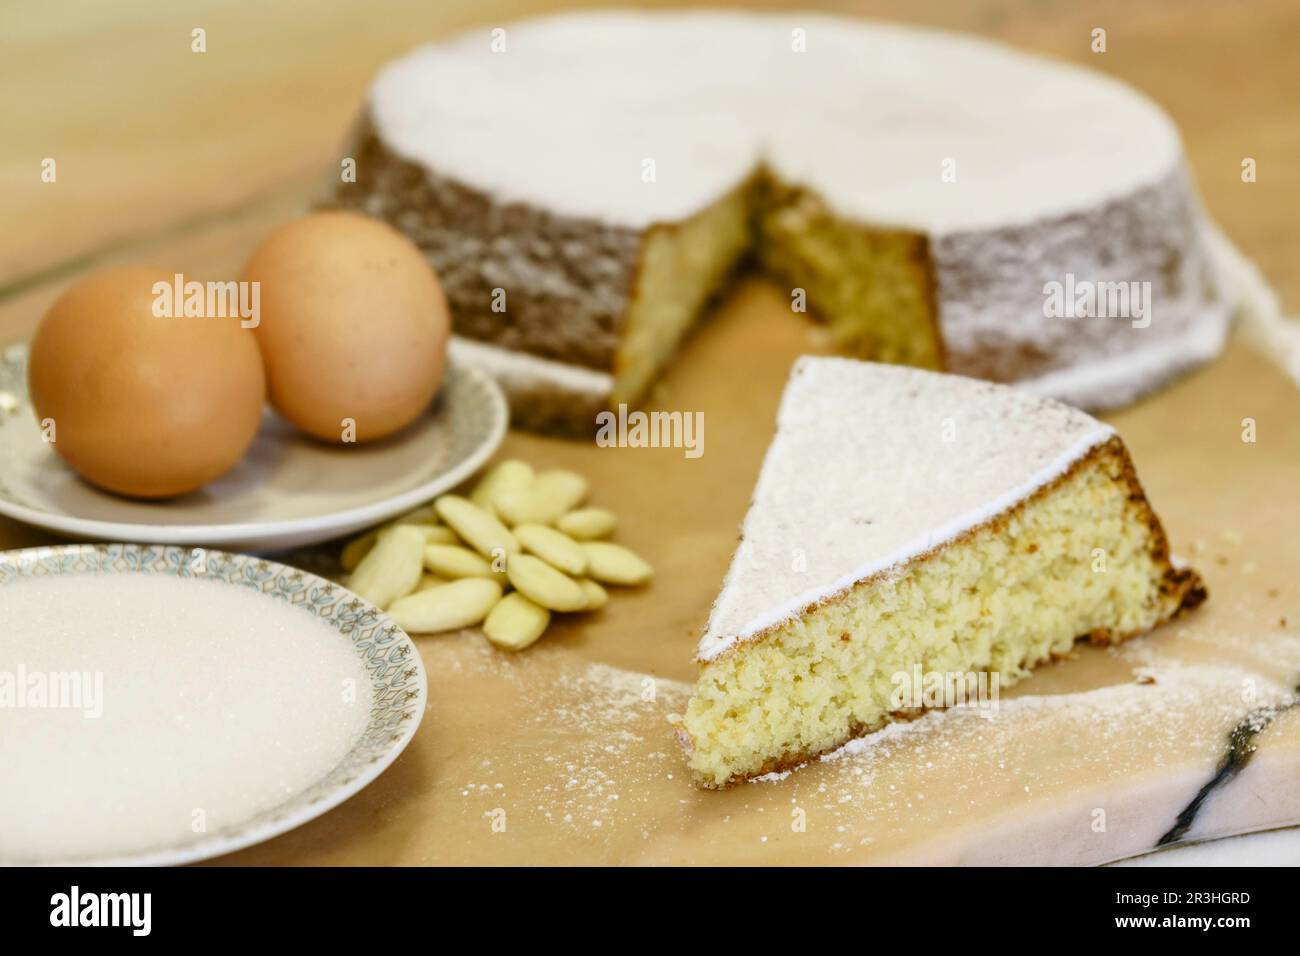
<point>599,783</point>
<point>186,706</point>
<point>597,743</point>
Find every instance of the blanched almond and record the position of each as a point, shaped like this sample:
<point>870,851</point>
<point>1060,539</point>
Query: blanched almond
<point>567,485</point>
<point>479,529</point>
<point>544,501</point>
<point>542,584</point>
<point>596,595</point>
<point>358,548</point>
<point>429,581</point>
<point>435,533</point>
<point>452,562</point>
<point>392,568</point>
<point>615,564</point>
<point>587,524</point>
<point>555,548</point>
<point>509,474</point>
<point>447,607</point>
<point>516,622</point>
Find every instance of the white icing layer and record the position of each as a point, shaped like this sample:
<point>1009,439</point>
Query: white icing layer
<point>873,465</point>
<point>892,125</point>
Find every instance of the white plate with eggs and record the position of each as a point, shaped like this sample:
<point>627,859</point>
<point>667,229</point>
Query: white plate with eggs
<point>287,491</point>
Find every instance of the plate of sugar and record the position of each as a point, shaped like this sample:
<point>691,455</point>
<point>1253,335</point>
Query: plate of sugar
<point>161,705</point>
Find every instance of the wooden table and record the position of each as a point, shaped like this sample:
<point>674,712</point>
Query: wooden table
<point>185,159</point>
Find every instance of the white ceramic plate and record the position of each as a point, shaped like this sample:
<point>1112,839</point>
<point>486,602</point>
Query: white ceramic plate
<point>288,490</point>
<point>397,680</point>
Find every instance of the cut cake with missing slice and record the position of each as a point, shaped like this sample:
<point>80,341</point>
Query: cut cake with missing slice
<point>903,520</point>
<point>585,196</point>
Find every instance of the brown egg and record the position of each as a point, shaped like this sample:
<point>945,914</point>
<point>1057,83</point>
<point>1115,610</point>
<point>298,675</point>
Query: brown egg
<point>353,326</point>
<point>143,405</point>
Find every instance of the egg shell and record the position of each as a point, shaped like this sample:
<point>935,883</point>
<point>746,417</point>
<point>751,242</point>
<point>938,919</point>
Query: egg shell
<point>143,405</point>
<point>354,326</point>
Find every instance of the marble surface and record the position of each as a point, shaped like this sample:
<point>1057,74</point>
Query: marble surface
<point>1271,848</point>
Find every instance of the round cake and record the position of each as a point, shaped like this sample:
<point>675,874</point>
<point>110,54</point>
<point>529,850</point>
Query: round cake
<point>585,184</point>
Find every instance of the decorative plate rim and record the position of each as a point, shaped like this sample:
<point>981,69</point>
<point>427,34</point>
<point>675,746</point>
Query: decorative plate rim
<point>317,527</point>
<point>369,755</point>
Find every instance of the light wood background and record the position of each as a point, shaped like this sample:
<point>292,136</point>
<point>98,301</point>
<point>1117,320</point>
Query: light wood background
<point>184,160</point>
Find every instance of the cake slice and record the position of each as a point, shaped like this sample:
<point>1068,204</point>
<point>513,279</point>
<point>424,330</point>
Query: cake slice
<point>910,523</point>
